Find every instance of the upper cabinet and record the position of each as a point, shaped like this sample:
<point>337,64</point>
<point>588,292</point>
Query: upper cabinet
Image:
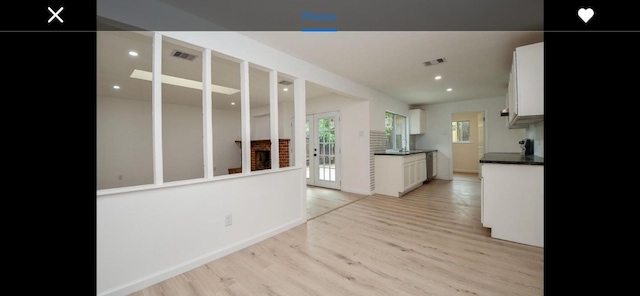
<point>417,121</point>
<point>525,94</point>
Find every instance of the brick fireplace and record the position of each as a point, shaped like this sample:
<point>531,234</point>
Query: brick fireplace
<point>261,155</point>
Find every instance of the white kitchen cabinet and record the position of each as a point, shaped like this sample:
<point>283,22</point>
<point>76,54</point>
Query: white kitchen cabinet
<point>525,92</point>
<point>512,202</point>
<point>395,175</point>
<point>417,121</point>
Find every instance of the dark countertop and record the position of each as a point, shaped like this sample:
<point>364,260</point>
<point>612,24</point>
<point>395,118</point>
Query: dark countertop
<point>512,158</point>
<point>405,152</point>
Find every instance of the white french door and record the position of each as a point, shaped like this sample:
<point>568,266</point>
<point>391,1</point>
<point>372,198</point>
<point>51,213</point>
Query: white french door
<point>323,149</point>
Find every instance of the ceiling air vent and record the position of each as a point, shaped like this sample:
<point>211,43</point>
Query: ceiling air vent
<point>183,55</point>
<point>284,82</point>
<point>435,62</point>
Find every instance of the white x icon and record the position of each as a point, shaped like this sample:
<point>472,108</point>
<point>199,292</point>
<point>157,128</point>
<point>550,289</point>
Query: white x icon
<point>55,14</point>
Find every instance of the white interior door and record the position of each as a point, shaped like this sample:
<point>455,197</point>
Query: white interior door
<point>323,150</point>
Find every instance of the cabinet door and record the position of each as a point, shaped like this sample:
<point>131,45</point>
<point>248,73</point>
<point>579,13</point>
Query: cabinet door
<point>482,208</point>
<point>414,173</point>
<point>529,80</point>
<point>407,175</point>
<point>511,91</point>
<point>513,202</point>
<point>417,121</point>
<point>422,169</point>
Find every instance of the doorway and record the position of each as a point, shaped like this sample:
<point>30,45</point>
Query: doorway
<point>467,142</point>
<point>323,150</point>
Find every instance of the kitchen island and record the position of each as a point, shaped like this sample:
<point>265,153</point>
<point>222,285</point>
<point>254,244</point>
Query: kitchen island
<point>512,197</point>
<point>512,158</point>
<point>398,172</point>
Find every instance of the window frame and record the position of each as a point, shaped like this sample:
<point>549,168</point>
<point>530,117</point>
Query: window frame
<point>405,134</point>
<point>458,126</point>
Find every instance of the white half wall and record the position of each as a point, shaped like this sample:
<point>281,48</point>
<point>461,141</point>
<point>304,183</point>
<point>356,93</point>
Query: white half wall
<point>147,236</point>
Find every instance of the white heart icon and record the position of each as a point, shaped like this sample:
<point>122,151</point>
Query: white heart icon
<point>585,14</point>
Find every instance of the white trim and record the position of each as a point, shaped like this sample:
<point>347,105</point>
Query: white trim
<point>299,110</point>
<point>273,118</point>
<point>245,117</point>
<point>156,107</point>
<point>357,191</point>
<point>111,191</point>
<point>207,123</point>
<point>187,266</point>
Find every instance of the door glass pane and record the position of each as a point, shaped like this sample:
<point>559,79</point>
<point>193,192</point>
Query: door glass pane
<point>326,138</point>
<point>307,144</point>
<point>332,163</point>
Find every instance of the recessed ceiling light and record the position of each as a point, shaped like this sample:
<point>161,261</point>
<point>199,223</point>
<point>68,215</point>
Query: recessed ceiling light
<point>449,89</point>
<point>233,103</point>
<point>133,53</point>
<point>285,89</point>
<point>116,87</point>
<point>438,77</point>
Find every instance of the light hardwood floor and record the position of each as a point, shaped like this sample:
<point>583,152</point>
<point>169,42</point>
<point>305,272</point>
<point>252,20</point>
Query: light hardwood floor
<point>428,242</point>
<point>323,200</point>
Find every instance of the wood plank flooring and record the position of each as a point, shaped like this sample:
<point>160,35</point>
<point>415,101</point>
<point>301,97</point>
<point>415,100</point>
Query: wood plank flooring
<point>323,200</point>
<point>428,242</point>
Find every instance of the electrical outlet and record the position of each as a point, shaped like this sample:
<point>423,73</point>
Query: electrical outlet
<point>228,220</point>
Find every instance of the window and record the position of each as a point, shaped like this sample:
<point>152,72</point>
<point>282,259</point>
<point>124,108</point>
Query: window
<point>460,131</point>
<point>396,131</point>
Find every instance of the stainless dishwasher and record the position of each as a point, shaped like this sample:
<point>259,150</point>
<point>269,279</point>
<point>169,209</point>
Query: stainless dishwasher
<point>430,172</point>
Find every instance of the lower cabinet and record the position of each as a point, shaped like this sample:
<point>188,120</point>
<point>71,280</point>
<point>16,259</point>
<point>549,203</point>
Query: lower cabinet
<point>396,175</point>
<point>512,202</point>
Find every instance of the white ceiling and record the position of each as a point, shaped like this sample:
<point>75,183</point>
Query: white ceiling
<point>477,66</point>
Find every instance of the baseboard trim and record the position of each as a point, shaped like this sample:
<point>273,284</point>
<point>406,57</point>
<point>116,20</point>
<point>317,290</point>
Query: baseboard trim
<point>356,191</point>
<point>466,171</point>
<point>182,268</point>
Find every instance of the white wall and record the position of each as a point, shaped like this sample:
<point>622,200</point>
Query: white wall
<point>146,236</point>
<point>226,130</point>
<point>536,132</point>
<point>379,107</point>
<point>438,133</point>
<point>182,144</point>
<point>127,123</point>
<point>122,150</point>
<point>355,138</point>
